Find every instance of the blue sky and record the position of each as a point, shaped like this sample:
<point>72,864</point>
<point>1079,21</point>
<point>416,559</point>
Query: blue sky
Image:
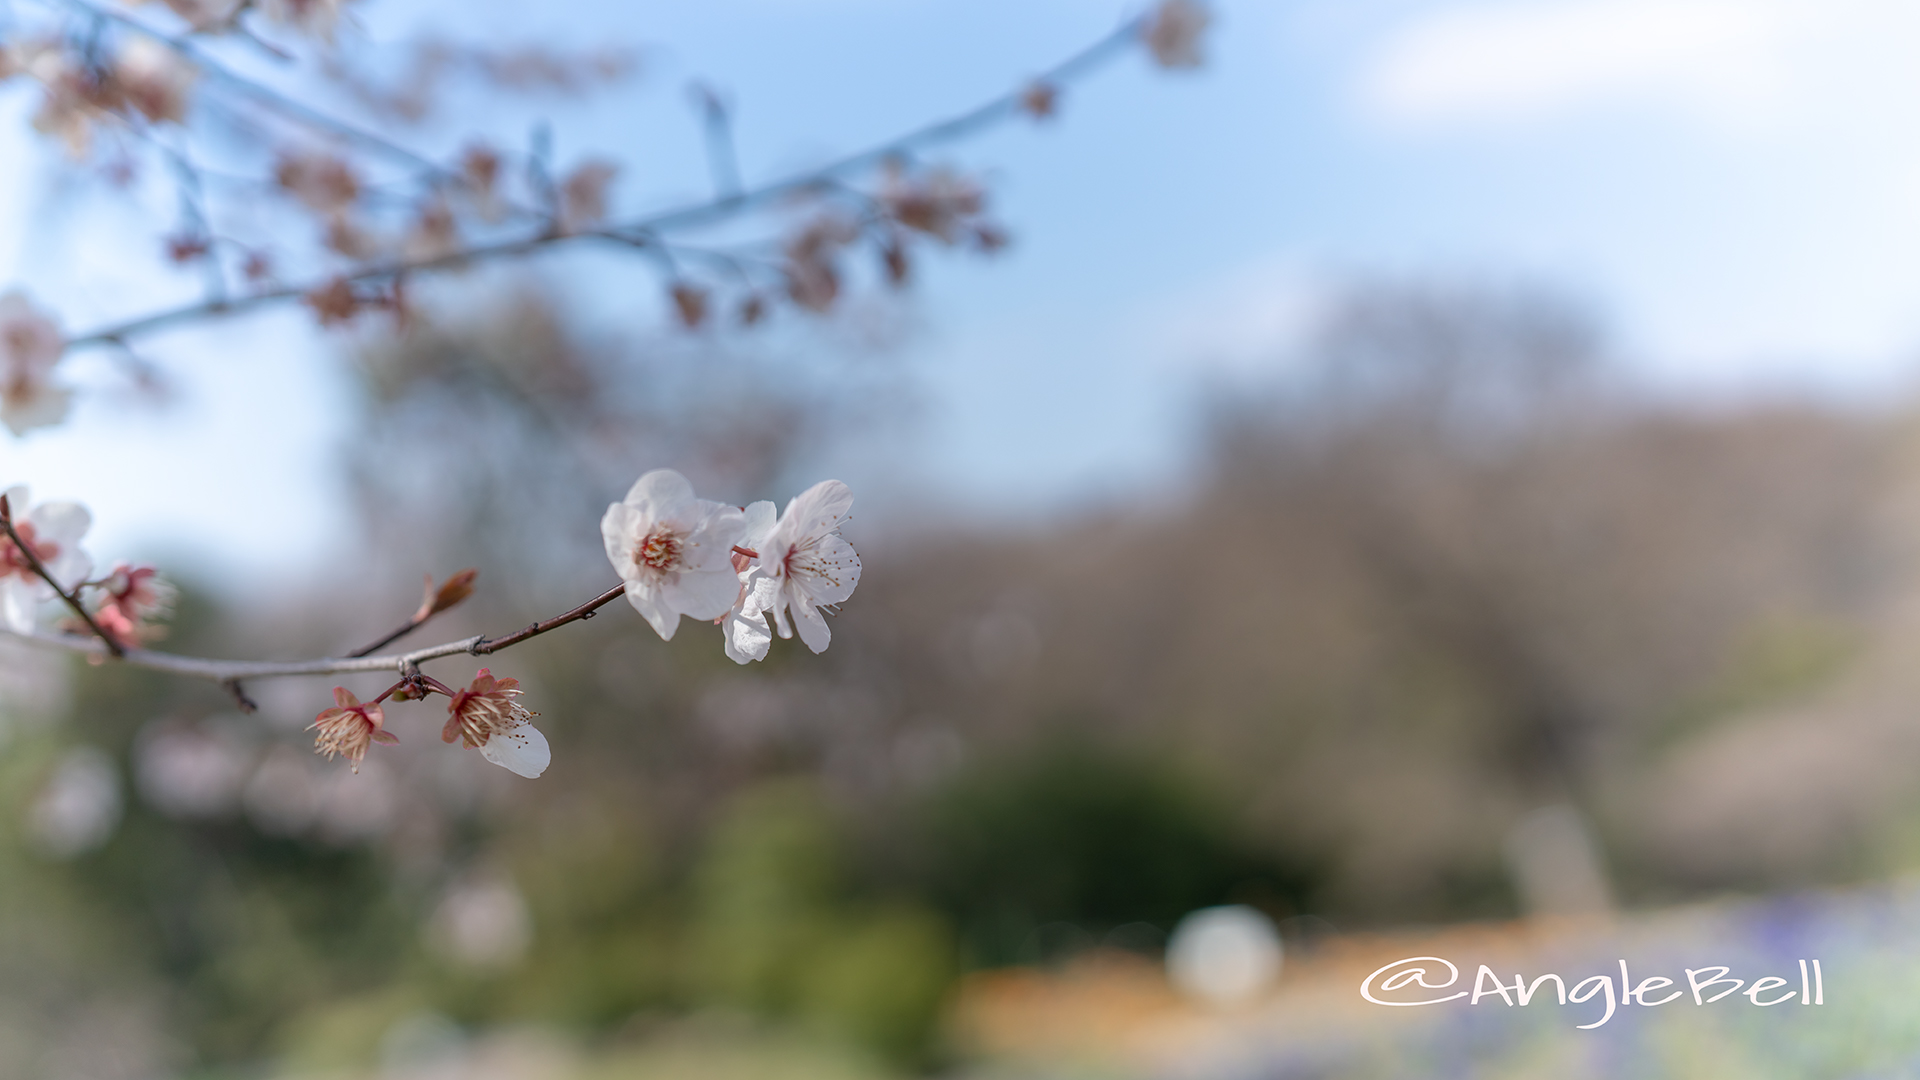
<point>1733,184</point>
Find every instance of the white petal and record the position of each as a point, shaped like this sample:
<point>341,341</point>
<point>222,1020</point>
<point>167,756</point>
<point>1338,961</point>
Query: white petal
<point>43,406</point>
<point>61,522</point>
<point>620,529</point>
<point>703,594</point>
<point>829,572</point>
<point>645,598</point>
<point>520,749</point>
<point>17,604</point>
<point>812,626</point>
<point>759,521</point>
<point>709,545</point>
<point>747,637</point>
<point>664,495</point>
<point>818,510</point>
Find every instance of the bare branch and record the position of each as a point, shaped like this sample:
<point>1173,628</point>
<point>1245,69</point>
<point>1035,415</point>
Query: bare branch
<point>642,231</point>
<point>40,568</point>
<point>229,673</point>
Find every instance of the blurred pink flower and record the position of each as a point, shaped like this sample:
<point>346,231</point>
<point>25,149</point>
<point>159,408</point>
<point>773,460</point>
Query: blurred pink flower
<point>155,80</point>
<point>30,345</point>
<point>133,597</point>
<point>52,531</point>
<point>1172,33</point>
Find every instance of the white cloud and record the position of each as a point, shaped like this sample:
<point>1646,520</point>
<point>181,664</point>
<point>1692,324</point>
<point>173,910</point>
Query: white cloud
<point>1511,61</point>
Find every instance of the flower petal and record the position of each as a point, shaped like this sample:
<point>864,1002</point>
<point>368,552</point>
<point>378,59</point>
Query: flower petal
<point>520,749</point>
<point>709,545</point>
<point>646,599</point>
<point>747,637</point>
<point>664,495</point>
<point>818,510</point>
<point>812,626</point>
<point>703,594</point>
<point>620,529</point>
<point>758,520</point>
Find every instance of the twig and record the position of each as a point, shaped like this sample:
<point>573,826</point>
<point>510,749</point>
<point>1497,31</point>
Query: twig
<point>637,231</point>
<point>485,646</point>
<point>40,568</point>
<point>229,673</point>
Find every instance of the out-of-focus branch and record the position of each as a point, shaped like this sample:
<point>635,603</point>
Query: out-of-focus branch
<point>269,98</point>
<point>39,568</point>
<point>642,231</point>
<point>230,672</point>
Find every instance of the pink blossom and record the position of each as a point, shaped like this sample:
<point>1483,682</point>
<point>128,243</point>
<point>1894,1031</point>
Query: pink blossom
<point>485,715</point>
<point>349,728</point>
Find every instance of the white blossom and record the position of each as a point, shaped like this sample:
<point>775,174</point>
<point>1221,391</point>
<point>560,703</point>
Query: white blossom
<point>30,345</point>
<point>53,530</point>
<point>673,550</point>
<point>802,564</point>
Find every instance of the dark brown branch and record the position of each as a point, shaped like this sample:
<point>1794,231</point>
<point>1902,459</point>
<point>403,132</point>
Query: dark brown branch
<point>485,646</point>
<point>40,568</point>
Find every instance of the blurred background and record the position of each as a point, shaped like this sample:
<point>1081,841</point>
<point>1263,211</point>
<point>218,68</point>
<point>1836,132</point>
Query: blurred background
<point>1443,478</point>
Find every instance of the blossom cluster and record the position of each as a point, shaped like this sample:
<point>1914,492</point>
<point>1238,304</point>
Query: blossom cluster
<point>752,570</point>
<point>743,567</point>
<point>48,562</point>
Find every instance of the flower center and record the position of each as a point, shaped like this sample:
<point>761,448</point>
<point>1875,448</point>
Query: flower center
<point>659,550</point>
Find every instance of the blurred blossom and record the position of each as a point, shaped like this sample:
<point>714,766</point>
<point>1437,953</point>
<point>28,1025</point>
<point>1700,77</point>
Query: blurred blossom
<point>483,924</point>
<point>1172,33</point>
<point>937,202</point>
<point>30,345</point>
<point>583,195</point>
<point>191,772</point>
<point>322,182</point>
<point>52,531</point>
<point>79,807</point>
<point>131,598</point>
<point>315,18</point>
<point>1223,956</point>
<point>283,794</point>
<point>154,79</point>
<point>205,14</point>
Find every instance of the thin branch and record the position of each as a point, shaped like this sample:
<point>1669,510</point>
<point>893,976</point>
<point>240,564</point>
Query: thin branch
<point>265,96</point>
<point>40,568</point>
<point>637,231</point>
<point>486,646</point>
<point>229,673</point>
